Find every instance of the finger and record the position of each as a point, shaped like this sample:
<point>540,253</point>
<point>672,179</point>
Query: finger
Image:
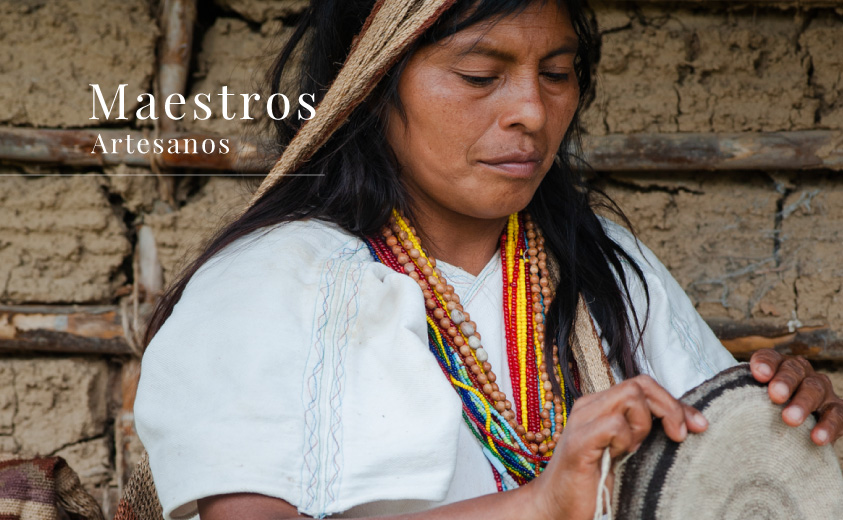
<point>657,402</point>
<point>626,400</point>
<point>788,377</point>
<point>810,395</point>
<point>639,418</point>
<point>586,441</point>
<point>591,406</point>
<point>586,401</point>
<point>830,426</point>
<point>664,406</point>
<point>695,420</point>
<point>622,438</point>
<point>764,364</point>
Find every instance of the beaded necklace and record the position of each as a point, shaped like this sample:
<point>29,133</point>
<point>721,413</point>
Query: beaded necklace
<point>518,436</point>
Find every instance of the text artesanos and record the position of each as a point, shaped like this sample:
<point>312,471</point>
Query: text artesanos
<point>202,101</point>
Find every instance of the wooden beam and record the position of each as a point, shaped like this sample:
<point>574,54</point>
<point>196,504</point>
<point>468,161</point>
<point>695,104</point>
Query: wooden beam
<point>99,330</point>
<point>743,338</point>
<point>780,151</point>
<point>77,148</point>
<point>804,150</point>
<point>62,330</point>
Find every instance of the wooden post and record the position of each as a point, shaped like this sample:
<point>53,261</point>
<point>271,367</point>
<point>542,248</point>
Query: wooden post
<point>148,284</point>
<point>174,53</point>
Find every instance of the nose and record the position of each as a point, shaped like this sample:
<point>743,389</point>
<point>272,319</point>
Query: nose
<point>523,105</point>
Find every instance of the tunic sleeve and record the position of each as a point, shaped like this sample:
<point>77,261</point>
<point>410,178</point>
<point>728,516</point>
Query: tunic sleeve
<point>678,349</point>
<point>296,367</point>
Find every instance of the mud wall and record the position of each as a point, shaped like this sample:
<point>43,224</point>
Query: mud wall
<point>754,249</point>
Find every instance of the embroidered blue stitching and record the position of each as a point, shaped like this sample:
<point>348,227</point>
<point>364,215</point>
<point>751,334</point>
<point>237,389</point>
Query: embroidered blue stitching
<point>315,496</point>
<point>352,308</point>
<point>310,466</point>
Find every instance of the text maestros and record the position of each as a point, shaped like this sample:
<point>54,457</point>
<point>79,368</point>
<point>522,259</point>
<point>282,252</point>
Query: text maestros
<point>203,101</point>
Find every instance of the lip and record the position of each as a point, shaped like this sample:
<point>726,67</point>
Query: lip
<point>518,164</point>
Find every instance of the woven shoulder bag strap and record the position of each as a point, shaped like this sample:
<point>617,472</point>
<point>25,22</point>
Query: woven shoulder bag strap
<point>595,376</point>
<point>594,369</point>
<point>592,364</point>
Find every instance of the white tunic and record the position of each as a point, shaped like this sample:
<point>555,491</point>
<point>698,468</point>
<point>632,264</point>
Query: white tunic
<point>296,366</point>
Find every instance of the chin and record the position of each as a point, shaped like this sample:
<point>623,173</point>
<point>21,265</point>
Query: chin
<point>501,207</point>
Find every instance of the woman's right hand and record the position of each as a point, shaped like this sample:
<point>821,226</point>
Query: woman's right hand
<point>619,418</point>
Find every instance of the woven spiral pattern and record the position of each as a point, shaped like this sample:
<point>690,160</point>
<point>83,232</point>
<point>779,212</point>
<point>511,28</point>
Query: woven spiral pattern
<point>748,464</point>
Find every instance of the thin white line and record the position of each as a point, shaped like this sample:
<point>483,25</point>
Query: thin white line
<point>233,176</point>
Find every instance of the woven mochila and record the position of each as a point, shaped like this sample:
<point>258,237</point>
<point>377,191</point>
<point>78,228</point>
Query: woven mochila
<point>747,464</point>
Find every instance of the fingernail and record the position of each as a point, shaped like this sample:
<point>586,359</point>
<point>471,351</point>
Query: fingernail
<point>795,414</point>
<point>683,432</point>
<point>780,389</point>
<point>765,370</point>
<point>822,436</point>
<point>635,448</point>
<point>699,420</point>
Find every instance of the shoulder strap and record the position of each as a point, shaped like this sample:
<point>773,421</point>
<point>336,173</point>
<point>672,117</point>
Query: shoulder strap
<point>594,369</point>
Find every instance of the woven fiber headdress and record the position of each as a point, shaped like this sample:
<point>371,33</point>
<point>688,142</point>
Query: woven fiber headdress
<point>391,27</point>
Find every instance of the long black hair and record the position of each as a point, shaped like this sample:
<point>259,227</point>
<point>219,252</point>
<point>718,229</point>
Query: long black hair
<point>353,179</point>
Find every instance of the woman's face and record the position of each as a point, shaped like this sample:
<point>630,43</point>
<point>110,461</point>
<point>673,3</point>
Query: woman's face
<point>486,111</point>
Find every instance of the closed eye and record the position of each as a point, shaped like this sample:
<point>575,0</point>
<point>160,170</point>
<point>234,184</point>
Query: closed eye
<point>557,77</point>
<point>478,81</point>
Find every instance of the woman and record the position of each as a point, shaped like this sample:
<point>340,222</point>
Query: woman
<point>386,329</point>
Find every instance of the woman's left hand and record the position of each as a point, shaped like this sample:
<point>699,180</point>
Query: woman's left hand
<point>793,378</point>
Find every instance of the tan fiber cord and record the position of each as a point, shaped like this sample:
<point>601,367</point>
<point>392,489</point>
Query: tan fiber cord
<point>595,374</point>
<point>389,30</point>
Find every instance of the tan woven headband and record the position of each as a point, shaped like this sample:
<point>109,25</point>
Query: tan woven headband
<point>389,30</point>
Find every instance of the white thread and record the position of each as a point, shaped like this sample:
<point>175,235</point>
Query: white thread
<point>603,490</point>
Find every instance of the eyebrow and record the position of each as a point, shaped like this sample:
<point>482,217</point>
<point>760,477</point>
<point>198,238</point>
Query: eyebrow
<point>569,47</point>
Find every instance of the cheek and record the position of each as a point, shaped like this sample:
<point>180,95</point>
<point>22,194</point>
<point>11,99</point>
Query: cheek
<point>438,122</point>
<point>564,109</point>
